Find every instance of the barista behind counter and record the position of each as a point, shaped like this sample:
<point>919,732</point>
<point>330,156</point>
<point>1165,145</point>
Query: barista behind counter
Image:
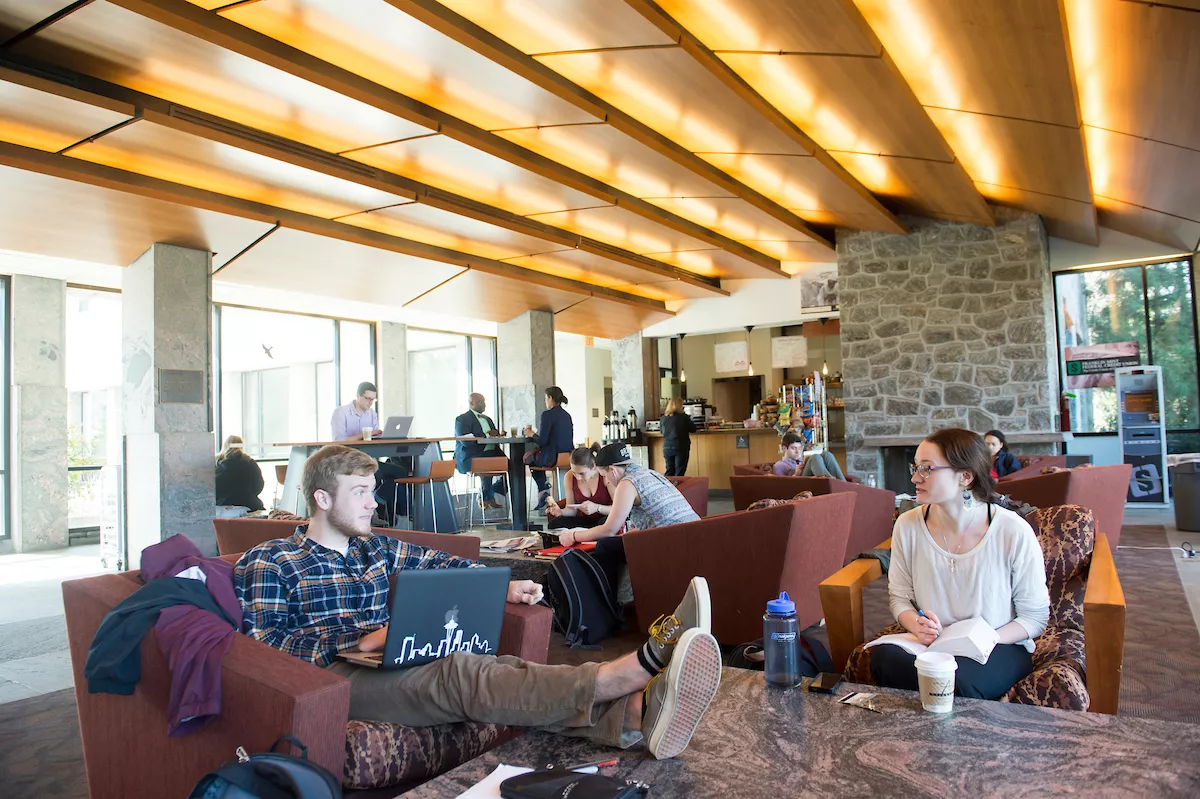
<point>715,452</point>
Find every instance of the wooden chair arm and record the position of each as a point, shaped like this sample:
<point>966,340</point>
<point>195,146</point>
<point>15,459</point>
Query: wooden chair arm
<point>841,601</point>
<point>1104,629</point>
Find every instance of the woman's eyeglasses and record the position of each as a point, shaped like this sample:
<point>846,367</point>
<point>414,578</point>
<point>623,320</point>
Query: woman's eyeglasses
<point>924,470</point>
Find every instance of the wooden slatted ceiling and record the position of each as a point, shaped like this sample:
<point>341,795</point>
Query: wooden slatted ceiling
<point>660,88</point>
<point>605,319</point>
<point>218,30</point>
<point>35,119</point>
<point>107,226</point>
<point>1137,67</point>
<point>125,48</point>
<point>996,80</point>
<point>380,43</point>
<point>580,265</point>
<point>830,77</point>
<point>332,268</point>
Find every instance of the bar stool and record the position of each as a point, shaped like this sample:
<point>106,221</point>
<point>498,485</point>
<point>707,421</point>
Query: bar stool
<point>562,464</point>
<point>439,472</point>
<point>280,479</point>
<point>494,466</point>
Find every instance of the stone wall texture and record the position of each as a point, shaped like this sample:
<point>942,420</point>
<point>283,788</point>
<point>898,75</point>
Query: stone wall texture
<point>950,325</point>
<point>524,367</point>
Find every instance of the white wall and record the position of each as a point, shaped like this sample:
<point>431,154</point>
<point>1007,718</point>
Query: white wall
<point>763,303</point>
<point>1113,246</point>
<point>598,369</point>
<point>570,374</point>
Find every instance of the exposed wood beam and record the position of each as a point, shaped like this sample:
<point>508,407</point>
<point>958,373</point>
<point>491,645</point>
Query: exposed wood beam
<point>723,72</point>
<point>466,32</point>
<point>63,166</point>
<point>215,29</point>
<point>100,93</point>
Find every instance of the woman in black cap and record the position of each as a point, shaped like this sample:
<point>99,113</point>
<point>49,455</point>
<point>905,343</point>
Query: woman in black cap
<point>641,496</point>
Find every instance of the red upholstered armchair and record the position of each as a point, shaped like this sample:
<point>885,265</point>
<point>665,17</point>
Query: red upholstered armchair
<point>754,469</point>
<point>1101,488</point>
<point>747,557</point>
<point>265,694</point>
<point>695,491</point>
<point>1032,465</point>
<point>1077,660</point>
<point>873,507</point>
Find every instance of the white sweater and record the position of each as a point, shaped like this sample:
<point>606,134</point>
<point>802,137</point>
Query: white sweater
<point>1001,579</point>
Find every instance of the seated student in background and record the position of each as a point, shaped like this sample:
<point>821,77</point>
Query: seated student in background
<point>585,489</point>
<point>793,463</point>
<point>324,590</point>
<point>1003,462</point>
<point>956,556</point>
<point>348,423</point>
<point>239,479</point>
<point>477,423</point>
<point>555,434</point>
<point>641,497</point>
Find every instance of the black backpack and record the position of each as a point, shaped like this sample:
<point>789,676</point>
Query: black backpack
<point>269,775</point>
<point>584,604</point>
<point>814,657</point>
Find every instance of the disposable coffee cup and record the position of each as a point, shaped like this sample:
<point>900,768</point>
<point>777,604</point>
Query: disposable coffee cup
<point>512,432</point>
<point>935,680</point>
<point>367,433</point>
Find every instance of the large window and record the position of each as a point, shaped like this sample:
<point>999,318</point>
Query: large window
<point>282,375</point>
<point>4,381</point>
<point>443,369</point>
<point>1142,314</point>
<point>93,373</point>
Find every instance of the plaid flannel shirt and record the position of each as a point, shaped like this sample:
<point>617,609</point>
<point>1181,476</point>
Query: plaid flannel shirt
<point>313,602</point>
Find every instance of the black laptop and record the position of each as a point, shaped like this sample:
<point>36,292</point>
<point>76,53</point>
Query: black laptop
<point>436,612</point>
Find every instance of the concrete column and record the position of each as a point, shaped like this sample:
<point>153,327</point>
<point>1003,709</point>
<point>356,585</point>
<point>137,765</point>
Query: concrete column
<point>633,374</point>
<point>166,356</point>
<point>38,479</point>
<point>392,358</point>
<point>525,367</point>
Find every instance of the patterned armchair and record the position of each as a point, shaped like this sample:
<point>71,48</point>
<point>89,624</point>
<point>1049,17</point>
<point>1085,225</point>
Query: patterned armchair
<point>1077,660</point>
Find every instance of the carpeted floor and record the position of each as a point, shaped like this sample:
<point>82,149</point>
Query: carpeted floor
<point>41,756</point>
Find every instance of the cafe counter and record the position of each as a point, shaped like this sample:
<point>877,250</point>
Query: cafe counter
<point>715,452</point>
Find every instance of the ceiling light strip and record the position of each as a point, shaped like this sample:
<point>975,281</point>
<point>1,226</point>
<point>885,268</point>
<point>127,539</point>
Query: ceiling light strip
<point>37,28</point>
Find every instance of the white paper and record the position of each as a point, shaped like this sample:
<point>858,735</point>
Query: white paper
<point>789,352</point>
<point>489,786</point>
<point>730,356</point>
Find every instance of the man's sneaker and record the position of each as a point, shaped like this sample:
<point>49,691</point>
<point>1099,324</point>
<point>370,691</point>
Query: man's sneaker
<point>675,700</point>
<point>693,611</point>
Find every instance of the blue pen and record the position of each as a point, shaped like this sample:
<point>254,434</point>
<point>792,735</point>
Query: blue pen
<point>921,613</point>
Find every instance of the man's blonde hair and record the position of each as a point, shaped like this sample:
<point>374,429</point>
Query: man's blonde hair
<point>326,464</point>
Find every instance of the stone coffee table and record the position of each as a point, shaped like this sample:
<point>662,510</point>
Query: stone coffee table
<point>760,742</point>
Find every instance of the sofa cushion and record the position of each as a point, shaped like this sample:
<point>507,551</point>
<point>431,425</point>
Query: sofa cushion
<point>380,754</point>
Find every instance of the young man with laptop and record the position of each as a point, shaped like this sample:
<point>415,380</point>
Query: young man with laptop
<point>322,593</point>
<point>349,422</point>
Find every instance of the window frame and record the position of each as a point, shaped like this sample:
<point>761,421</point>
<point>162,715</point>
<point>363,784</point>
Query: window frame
<point>6,366</point>
<point>496,409</point>
<point>1142,265</point>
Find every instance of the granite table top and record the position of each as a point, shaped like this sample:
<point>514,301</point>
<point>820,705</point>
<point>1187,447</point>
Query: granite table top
<point>757,742</point>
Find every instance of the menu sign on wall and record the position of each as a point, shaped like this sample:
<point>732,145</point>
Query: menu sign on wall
<point>731,356</point>
<point>788,352</point>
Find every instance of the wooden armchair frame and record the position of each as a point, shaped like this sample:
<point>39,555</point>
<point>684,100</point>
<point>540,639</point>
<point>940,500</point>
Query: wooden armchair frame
<point>1103,620</point>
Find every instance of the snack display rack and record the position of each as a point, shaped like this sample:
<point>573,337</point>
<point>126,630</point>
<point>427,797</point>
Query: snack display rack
<point>804,408</point>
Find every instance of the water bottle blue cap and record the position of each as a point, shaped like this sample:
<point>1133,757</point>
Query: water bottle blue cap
<point>782,606</point>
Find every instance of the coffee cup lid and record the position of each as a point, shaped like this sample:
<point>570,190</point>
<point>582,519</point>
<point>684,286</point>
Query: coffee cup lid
<point>936,661</point>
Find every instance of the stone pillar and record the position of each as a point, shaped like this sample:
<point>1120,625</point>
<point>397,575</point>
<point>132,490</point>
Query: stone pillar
<point>38,478</point>
<point>392,359</point>
<point>166,357</point>
<point>524,367</point>
<point>632,377</point>
<point>950,325</point>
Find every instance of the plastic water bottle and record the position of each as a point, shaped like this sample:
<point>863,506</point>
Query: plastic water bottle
<point>781,642</point>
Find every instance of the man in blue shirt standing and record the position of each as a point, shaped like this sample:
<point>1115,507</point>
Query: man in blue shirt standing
<point>348,423</point>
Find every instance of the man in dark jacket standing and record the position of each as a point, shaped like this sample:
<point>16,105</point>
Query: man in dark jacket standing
<point>476,423</point>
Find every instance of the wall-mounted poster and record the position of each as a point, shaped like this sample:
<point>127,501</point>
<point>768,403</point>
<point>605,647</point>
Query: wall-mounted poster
<point>731,356</point>
<point>789,352</point>
<point>1092,365</point>
<point>819,288</point>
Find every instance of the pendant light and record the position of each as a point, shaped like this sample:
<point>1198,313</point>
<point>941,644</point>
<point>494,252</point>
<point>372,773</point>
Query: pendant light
<point>682,371</point>
<point>825,365</point>
<point>749,360</point>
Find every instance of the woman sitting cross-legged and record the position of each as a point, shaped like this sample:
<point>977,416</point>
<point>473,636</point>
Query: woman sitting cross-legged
<point>957,556</point>
<point>794,464</point>
<point>588,501</point>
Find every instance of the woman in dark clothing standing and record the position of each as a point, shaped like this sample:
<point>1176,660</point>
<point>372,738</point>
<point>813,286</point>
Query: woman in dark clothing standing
<point>239,478</point>
<point>556,434</point>
<point>676,428</point>
<point>1004,462</point>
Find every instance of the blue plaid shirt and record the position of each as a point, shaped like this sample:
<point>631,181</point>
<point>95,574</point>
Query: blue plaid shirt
<point>313,602</point>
